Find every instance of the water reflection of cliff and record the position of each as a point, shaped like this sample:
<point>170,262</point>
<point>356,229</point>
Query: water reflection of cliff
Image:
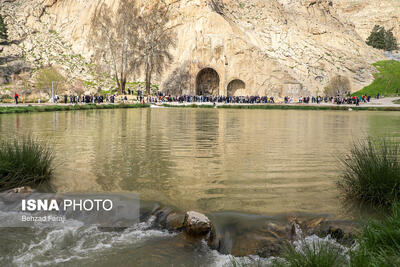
<point>257,161</point>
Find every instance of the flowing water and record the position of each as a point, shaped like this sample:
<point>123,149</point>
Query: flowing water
<point>264,162</point>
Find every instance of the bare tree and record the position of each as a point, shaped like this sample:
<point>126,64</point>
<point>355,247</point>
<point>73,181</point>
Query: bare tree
<point>338,86</point>
<point>78,87</point>
<point>115,37</point>
<point>156,40</point>
<point>48,76</point>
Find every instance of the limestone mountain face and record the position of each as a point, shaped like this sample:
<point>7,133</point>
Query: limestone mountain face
<point>225,47</point>
<point>363,15</point>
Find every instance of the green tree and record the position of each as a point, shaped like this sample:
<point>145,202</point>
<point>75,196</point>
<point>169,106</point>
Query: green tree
<point>390,41</point>
<point>382,39</point>
<point>3,29</point>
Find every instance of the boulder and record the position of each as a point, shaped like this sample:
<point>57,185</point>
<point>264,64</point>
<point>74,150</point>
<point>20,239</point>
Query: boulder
<point>175,221</point>
<point>196,224</point>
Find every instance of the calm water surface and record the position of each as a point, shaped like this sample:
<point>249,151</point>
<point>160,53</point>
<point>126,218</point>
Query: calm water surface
<point>262,162</point>
<point>252,161</point>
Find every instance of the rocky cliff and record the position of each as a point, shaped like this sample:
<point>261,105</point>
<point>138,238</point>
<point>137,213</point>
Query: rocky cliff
<point>252,47</point>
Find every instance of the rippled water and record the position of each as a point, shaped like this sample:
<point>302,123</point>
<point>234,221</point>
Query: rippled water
<point>251,161</point>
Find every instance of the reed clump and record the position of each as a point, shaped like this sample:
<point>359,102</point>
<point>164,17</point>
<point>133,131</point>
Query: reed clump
<point>372,172</point>
<point>25,162</point>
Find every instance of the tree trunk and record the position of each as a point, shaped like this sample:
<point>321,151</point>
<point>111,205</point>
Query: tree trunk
<point>119,85</point>
<point>148,80</point>
<point>122,85</point>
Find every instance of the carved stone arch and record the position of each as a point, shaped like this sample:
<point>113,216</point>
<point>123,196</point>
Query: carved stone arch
<point>236,87</point>
<point>207,82</point>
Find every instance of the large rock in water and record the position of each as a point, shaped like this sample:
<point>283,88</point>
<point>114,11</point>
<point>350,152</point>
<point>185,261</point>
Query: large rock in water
<point>197,224</point>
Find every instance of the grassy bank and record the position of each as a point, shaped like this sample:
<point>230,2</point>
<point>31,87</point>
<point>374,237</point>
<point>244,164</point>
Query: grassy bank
<point>188,106</point>
<point>291,107</point>
<point>25,162</point>
<point>309,107</point>
<point>387,80</point>
<point>44,108</point>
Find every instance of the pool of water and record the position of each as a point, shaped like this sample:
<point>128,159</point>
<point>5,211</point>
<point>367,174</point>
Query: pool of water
<point>263,162</point>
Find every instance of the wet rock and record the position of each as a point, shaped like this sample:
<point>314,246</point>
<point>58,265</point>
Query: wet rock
<point>256,244</point>
<point>175,221</point>
<point>161,217</point>
<point>196,224</point>
<point>21,190</point>
<point>341,230</point>
<point>336,232</point>
<point>16,194</point>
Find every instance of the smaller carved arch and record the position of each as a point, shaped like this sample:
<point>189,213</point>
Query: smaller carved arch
<point>236,87</point>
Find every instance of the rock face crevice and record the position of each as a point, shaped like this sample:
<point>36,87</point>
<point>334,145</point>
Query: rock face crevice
<point>276,47</point>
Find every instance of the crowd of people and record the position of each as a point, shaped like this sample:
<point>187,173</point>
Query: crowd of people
<point>215,99</point>
<point>159,97</point>
<point>333,100</point>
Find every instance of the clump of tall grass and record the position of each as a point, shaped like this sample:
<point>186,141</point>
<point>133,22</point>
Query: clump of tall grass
<point>314,254</point>
<point>372,172</point>
<point>25,162</point>
<point>379,242</point>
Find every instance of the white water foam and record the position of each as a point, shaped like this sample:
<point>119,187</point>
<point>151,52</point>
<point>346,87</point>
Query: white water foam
<point>74,242</point>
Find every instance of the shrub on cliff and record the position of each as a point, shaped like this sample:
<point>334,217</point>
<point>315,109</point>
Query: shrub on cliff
<point>3,29</point>
<point>25,162</point>
<point>372,172</point>
<point>382,39</point>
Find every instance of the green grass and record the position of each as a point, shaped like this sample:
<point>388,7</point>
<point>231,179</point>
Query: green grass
<point>397,101</point>
<point>188,106</point>
<point>316,254</point>
<point>25,162</point>
<point>379,242</point>
<point>372,172</point>
<point>295,107</point>
<point>44,108</point>
<point>387,80</point>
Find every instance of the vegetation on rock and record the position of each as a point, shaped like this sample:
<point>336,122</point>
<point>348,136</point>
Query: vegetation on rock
<point>382,39</point>
<point>3,29</point>
<point>387,80</point>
